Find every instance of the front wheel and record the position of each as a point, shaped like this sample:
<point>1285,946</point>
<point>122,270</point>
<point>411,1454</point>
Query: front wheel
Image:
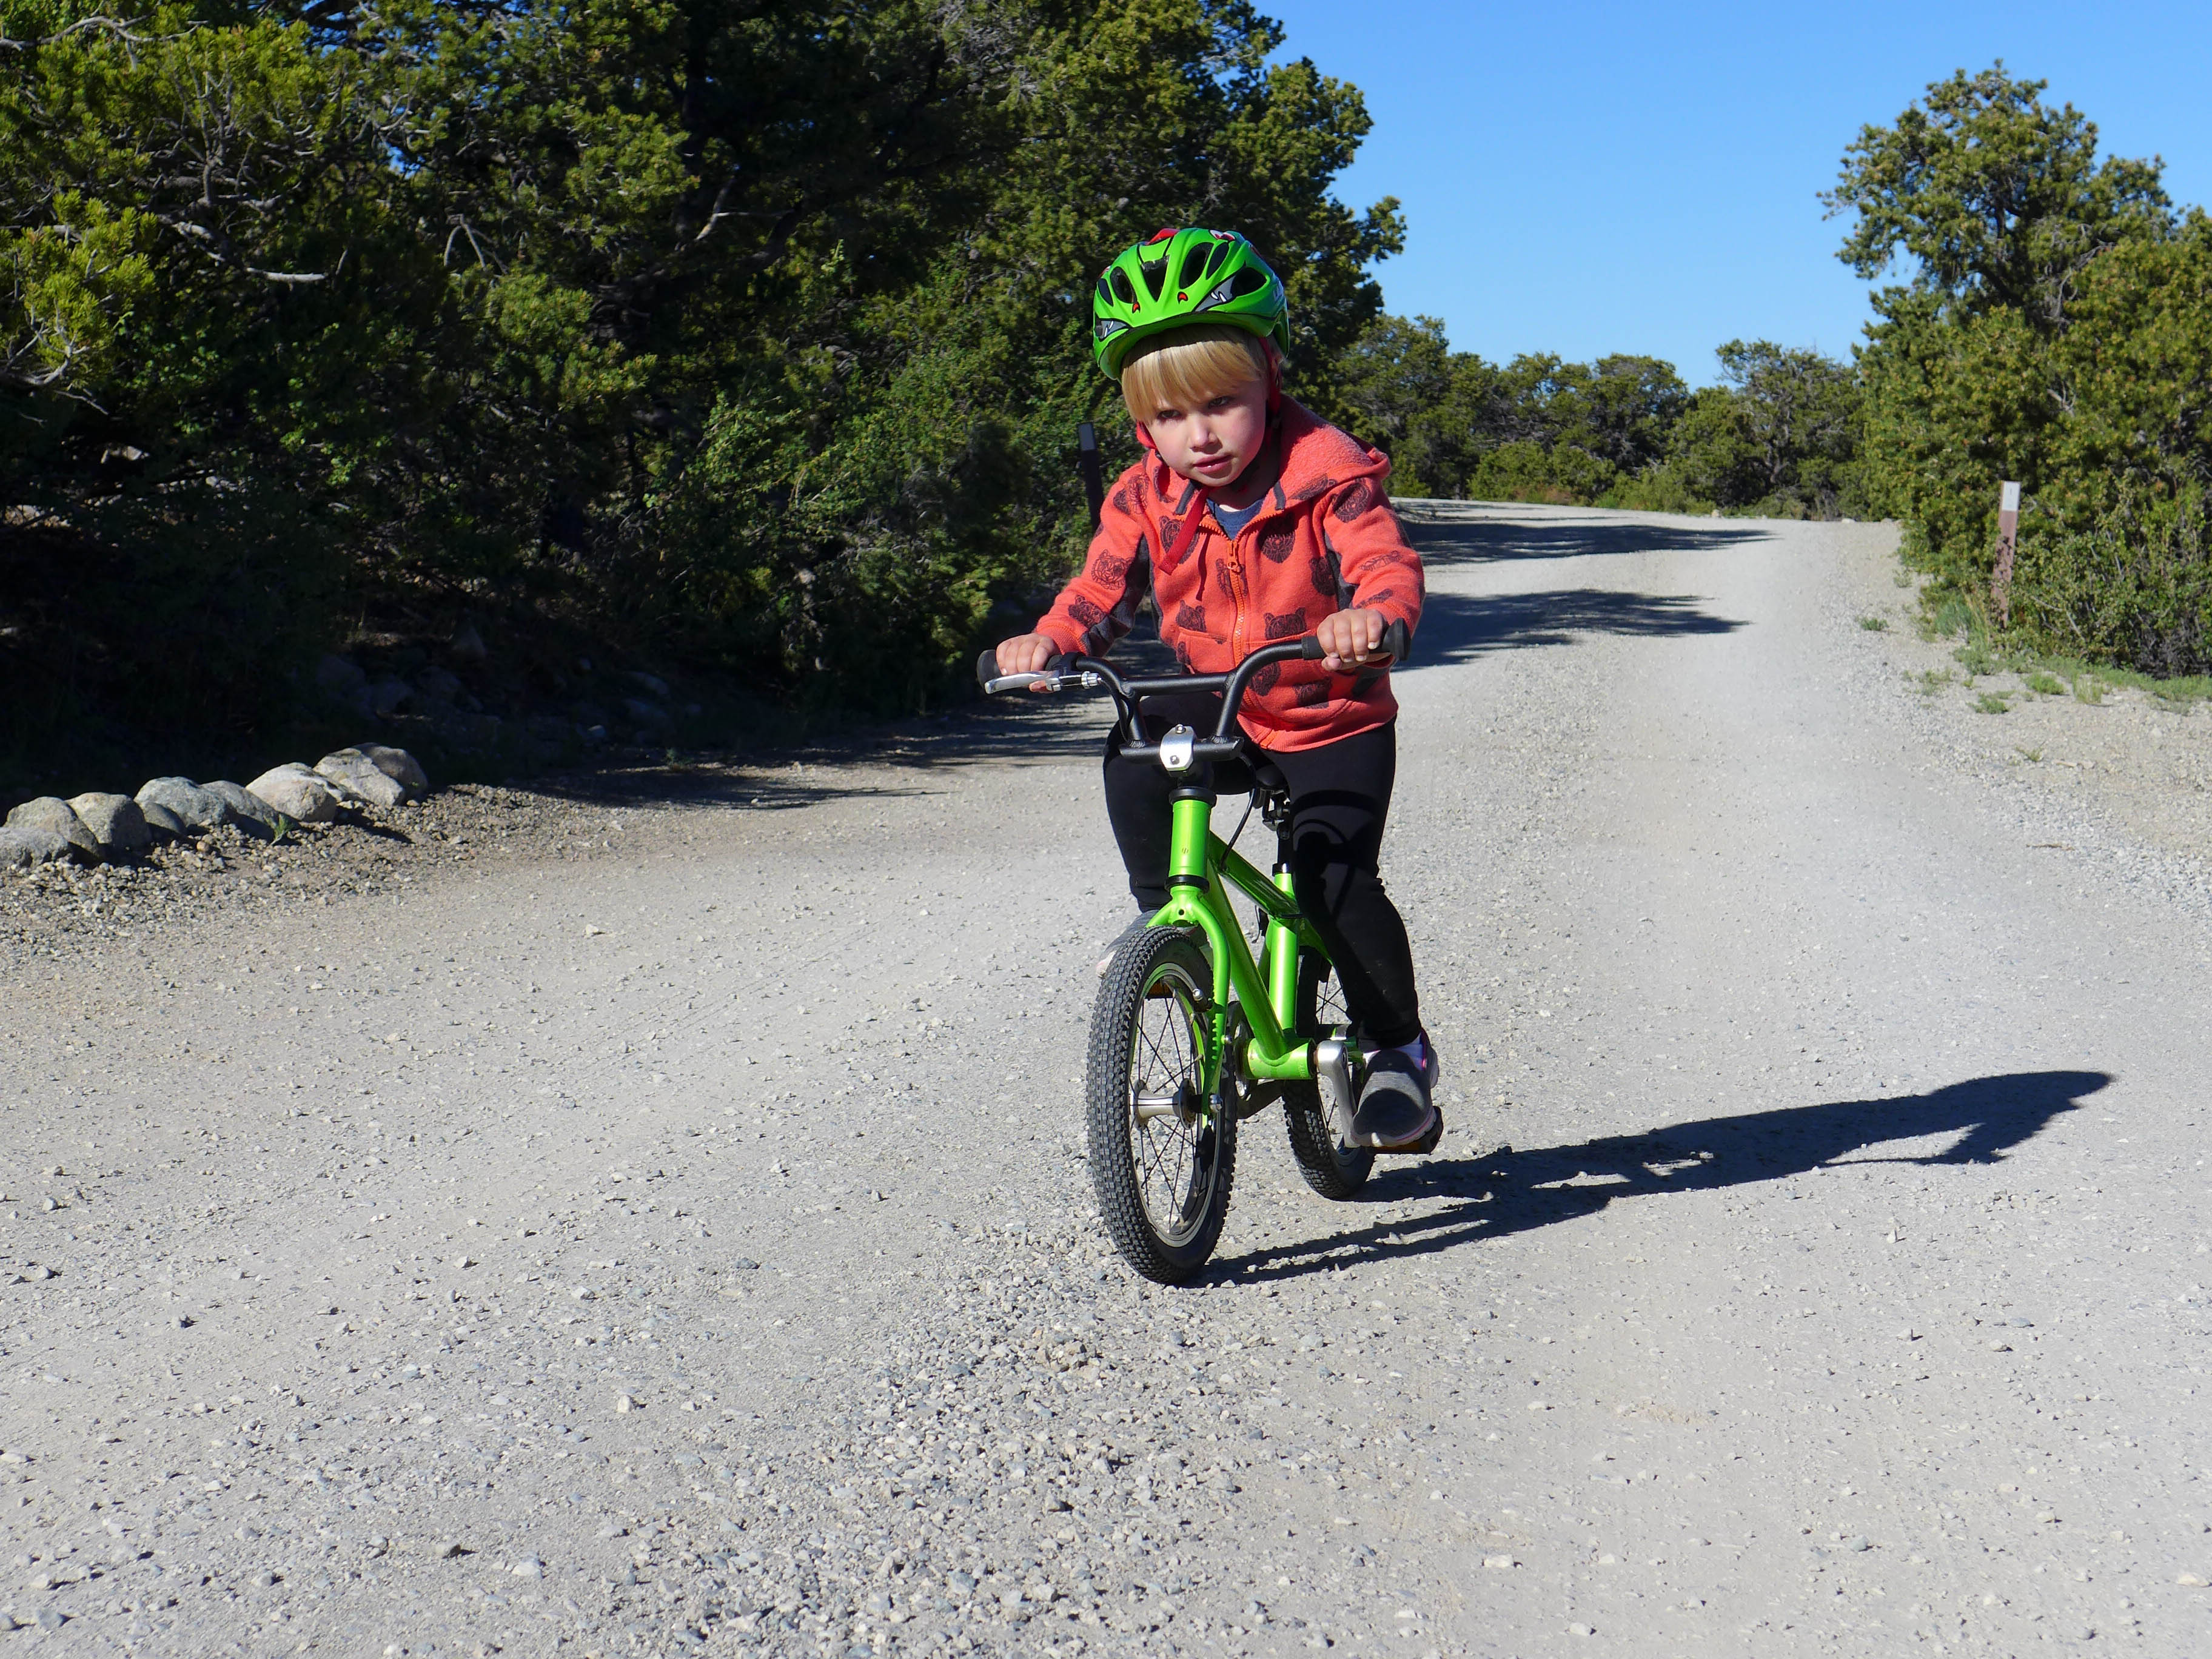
<point>1162,1153</point>
<point>1331,1168</point>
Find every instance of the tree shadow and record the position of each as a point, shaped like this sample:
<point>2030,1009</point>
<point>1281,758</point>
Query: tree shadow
<point>1509,1192</point>
<point>1456,627</point>
<point>776,785</point>
<point>1451,541</point>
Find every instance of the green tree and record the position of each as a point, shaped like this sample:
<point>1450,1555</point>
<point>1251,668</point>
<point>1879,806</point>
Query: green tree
<point>1999,199</point>
<point>2003,207</point>
<point>1779,434</point>
<point>744,332</point>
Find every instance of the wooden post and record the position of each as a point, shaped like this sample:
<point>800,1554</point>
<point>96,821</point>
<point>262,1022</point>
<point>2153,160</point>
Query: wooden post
<point>2007,534</point>
<point>1087,462</point>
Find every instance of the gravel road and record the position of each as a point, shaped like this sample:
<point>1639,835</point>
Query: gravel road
<point>667,1230</point>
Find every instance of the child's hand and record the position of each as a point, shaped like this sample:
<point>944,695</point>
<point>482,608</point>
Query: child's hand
<point>1349,638</point>
<point>1027,654</point>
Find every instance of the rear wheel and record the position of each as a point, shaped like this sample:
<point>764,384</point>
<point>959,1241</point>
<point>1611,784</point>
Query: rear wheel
<point>1331,1168</point>
<point>1162,1154</point>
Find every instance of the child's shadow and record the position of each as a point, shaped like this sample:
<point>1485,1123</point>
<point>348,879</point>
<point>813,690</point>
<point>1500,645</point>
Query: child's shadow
<point>1510,1192</point>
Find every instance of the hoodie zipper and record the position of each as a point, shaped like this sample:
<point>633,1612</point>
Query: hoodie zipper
<point>1239,594</point>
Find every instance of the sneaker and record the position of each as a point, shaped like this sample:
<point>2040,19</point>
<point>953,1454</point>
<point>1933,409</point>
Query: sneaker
<point>1115,949</point>
<point>1395,1111</point>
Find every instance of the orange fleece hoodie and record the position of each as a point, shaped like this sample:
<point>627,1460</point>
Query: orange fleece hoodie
<point>1324,539</point>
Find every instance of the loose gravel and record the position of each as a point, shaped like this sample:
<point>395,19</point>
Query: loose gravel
<point>647,1213</point>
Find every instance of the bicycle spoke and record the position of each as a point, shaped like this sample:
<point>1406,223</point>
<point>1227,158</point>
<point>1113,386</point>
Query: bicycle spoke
<point>1162,1158</point>
<point>1170,1152</point>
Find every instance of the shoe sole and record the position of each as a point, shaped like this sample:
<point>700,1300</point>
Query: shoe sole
<point>1430,1133</point>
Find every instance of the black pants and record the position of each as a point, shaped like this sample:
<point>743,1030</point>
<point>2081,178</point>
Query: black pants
<point>1340,797</point>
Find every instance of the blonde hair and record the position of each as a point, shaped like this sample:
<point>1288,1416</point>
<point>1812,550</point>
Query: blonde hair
<point>1192,367</point>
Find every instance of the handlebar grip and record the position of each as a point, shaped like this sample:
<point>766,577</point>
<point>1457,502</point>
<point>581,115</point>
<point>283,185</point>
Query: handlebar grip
<point>1397,644</point>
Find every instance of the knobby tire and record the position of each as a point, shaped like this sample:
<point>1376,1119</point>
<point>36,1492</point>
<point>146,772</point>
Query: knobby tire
<point>1331,1169</point>
<point>1162,1187</point>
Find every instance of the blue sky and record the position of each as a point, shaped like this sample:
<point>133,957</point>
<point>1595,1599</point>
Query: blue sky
<point>1585,178</point>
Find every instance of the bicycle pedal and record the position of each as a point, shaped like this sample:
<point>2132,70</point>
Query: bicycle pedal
<point>1422,1147</point>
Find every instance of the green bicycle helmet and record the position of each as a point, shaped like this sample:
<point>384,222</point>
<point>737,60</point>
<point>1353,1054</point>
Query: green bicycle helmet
<point>1178,276</point>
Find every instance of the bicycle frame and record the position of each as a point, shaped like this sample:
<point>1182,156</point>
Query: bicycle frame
<point>1201,866</point>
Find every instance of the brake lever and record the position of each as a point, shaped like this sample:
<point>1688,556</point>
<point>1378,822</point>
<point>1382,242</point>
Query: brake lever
<point>1051,682</point>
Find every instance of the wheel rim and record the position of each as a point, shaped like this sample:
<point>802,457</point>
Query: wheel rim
<point>1174,1142</point>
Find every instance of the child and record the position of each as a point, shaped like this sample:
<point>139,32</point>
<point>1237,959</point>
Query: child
<point>1251,520</point>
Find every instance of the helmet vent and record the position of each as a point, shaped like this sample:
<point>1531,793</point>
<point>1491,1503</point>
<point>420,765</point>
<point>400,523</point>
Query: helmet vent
<point>1194,267</point>
<point>1156,274</point>
<point>1247,281</point>
<point>1122,291</point>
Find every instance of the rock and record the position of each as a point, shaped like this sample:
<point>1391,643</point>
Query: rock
<point>437,682</point>
<point>402,768</point>
<point>53,813</point>
<point>353,777</point>
<point>160,822</point>
<point>372,773</point>
<point>297,791</point>
<point>116,822</point>
<point>193,807</point>
<point>652,683</point>
<point>468,645</point>
<point>471,733</point>
<point>645,713</point>
<point>385,696</point>
<point>529,1567</point>
<point>342,679</point>
<point>248,811</point>
<point>343,683</point>
<point>24,846</point>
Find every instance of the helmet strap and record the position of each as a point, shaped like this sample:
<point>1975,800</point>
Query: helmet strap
<point>1188,533</point>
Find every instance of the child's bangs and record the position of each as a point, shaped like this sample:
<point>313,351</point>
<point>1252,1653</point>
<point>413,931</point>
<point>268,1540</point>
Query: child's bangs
<point>1190,368</point>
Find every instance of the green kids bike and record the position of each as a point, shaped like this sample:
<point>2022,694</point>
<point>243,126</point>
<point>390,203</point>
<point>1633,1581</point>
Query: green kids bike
<point>1192,1033</point>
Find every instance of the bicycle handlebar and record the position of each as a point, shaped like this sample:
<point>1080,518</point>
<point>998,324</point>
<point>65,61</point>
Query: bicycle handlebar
<point>1225,743</point>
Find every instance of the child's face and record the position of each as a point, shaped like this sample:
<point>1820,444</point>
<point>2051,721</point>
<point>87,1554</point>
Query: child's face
<point>1212,444</point>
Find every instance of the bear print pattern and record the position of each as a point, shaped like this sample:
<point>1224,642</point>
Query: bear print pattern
<point>1354,501</point>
